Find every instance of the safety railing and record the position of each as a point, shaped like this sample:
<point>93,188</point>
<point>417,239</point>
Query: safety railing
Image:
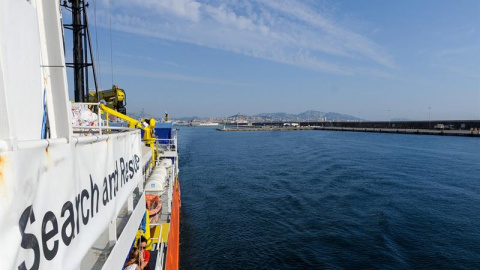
<point>147,168</point>
<point>162,243</point>
<point>161,248</point>
<point>171,183</point>
<point>166,144</point>
<point>160,257</point>
<point>87,120</point>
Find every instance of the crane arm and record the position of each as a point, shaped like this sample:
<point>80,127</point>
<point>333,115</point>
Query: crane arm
<point>132,123</point>
<point>148,136</point>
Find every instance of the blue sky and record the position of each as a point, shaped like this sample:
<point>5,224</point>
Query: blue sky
<point>364,58</point>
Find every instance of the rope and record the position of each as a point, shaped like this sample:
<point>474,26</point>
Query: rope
<point>111,45</point>
<point>97,48</point>
<point>45,115</point>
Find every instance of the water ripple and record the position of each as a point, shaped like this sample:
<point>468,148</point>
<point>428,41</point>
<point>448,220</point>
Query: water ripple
<point>328,200</point>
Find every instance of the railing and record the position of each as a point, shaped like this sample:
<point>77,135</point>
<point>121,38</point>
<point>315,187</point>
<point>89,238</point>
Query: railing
<point>84,117</point>
<point>123,242</point>
<point>82,124</point>
<point>170,145</point>
<point>160,259</point>
<point>159,265</point>
<point>147,168</point>
<point>166,144</point>
<point>161,248</point>
<point>171,184</point>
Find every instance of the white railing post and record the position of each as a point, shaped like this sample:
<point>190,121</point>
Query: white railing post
<point>170,194</point>
<point>140,186</point>
<point>159,264</point>
<point>130,204</point>
<point>112,231</point>
<point>99,117</point>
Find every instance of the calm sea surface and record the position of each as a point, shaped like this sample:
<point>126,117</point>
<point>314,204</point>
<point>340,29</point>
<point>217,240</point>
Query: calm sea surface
<point>328,200</point>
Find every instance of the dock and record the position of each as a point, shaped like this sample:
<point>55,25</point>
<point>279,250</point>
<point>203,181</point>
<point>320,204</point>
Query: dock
<point>466,133</point>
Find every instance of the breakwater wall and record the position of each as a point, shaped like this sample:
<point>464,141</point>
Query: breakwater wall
<point>453,124</point>
<point>466,133</point>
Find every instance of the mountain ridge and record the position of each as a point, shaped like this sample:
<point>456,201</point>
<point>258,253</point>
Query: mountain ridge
<point>309,115</point>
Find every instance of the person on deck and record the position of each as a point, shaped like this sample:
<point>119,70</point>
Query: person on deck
<point>145,253</point>
<point>135,260</point>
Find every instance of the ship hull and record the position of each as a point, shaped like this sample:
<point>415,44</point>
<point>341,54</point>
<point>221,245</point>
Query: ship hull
<point>173,250</point>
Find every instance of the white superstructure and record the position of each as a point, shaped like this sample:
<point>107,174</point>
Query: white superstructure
<point>61,188</point>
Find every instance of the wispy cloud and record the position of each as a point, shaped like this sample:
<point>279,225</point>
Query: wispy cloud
<point>172,76</point>
<point>128,55</point>
<point>284,31</point>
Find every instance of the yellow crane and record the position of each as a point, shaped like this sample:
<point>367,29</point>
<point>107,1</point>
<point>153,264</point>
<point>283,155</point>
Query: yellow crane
<point>115,105</point>
<point>114,98</point>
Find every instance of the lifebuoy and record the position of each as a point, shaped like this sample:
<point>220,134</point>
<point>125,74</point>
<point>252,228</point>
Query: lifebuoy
<point>154,207</point>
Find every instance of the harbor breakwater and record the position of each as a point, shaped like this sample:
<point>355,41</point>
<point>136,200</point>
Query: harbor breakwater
<point>468,133</point>
<point>451,124</point>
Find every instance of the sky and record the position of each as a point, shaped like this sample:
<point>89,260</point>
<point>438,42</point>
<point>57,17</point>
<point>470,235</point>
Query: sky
<point>372,59</point>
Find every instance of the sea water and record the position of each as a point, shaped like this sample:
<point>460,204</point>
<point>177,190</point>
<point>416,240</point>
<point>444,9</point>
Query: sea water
<point>328,200</point>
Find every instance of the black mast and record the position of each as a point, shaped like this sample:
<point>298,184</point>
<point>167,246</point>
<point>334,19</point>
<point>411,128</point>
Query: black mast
<point>82,49</point>
<point>78,60</point>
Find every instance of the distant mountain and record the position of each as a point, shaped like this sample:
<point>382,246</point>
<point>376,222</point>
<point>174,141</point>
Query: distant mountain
<point>238,115</point>
<point>277,117</point>
<point>187,118</point>
<point>331,116</point>
<point>311,115</point>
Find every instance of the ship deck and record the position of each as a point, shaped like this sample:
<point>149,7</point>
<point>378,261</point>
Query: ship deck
<point>164,217</point>
<point>97,256</point>
<point>99,252</point>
